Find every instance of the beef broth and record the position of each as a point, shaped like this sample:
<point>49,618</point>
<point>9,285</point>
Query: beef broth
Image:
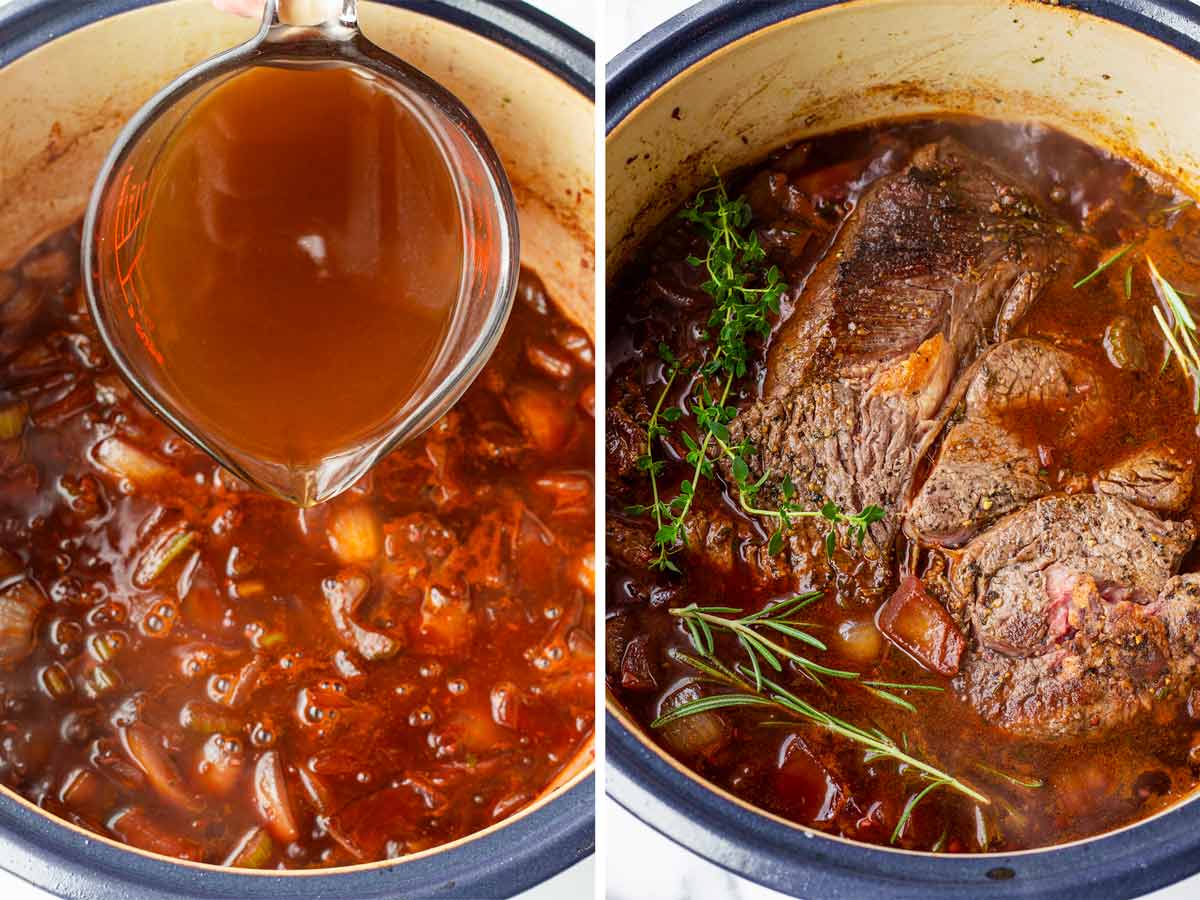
<point>945,349</point>
<point>301,260</point>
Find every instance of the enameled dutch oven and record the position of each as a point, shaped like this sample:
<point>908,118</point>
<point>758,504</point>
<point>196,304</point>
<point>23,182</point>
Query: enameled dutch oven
<point>727,81</point>
<point>71,73</point>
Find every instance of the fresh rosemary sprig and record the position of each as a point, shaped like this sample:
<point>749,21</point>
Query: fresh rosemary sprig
<point>885,690</point>
<point>745,293</point>
<point>756,632</point>
<point>1018,780</point>
<point>773,696</point>
<point>1104,266</point>
<point>913,801</point>
<point>1180,334</point>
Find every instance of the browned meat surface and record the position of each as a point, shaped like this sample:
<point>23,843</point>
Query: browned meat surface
<point>1155,477</point>
<point>936,262</point>
<point>985,468</point>
<point>1072,627</point>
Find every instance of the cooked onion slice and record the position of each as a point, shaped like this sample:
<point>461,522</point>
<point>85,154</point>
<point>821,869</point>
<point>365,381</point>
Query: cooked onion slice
<point>137,827</point>
<point>271,798</point>
<point>253,851</point>
<point>145,747</point>
<point>126,461</point>
<point>20,605</point>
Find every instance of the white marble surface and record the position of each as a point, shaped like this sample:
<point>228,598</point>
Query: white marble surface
<point>641,863</point>
<point>577,882</point>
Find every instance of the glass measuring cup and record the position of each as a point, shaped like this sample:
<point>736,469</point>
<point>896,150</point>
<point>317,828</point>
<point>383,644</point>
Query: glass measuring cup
<point>114,237</point>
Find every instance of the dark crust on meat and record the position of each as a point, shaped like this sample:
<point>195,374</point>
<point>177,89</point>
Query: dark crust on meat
<point>948,237</point>
<point>921,273</point>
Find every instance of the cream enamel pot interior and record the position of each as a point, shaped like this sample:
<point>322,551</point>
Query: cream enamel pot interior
<point>724,83</point>
<point>845,64</point>
<point>71,74</point>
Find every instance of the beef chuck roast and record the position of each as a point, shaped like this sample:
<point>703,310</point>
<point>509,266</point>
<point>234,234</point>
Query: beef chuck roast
<point>984,468</point>
<point>936,262</point>
<point>1076,618</point>
<point>1156,477</point>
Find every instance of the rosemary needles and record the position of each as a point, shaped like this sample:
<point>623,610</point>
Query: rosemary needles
<point>1174,319</point>
<point>1180,331</point>
<point>771,696</point>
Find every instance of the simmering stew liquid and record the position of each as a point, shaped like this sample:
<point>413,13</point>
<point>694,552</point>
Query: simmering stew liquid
<point>202,670</point>
<point>302,257</point>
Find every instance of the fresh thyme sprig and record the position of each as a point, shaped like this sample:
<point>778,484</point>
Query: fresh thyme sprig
<point>745,293</point>
<point>755,632</point>
<point>787,512</point>
<point>773,696</point>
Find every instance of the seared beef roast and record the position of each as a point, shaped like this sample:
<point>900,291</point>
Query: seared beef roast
<point>984,468</point>
<point>937,261</point>
<point>1077,620</point>
<point>1156,477</point>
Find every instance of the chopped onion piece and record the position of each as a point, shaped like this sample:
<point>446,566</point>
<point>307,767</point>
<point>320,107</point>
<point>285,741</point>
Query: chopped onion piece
<point>205,719</point>
<point>221,763</point>
<point>919,625</point>
<point>700,734</point>
<point>145,747</point>
<point>542,417</point>
<point>126,461</point>
<point>56,682</point>
<point>271,798</point>
<point>12,421</point>
<point>355,534</point>
<point>20,605</point>
<point>345,593</point>
<point>163,550</point>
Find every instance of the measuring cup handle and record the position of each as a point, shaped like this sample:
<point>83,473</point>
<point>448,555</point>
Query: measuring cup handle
<point>332,15</point>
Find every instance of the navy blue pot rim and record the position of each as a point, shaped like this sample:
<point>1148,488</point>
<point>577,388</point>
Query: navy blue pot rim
<point>515,857</point>
<point>658,56</point>
<point>27,24</point>
<point>1128,863</point>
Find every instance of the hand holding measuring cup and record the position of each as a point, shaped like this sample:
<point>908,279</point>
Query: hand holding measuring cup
<point>301,252</point>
